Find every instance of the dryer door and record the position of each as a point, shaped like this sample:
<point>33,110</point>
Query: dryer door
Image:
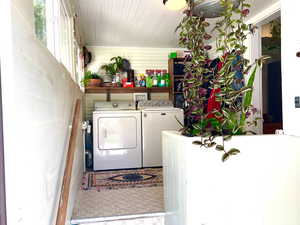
<point>117,141</point>
<point>117,133</point>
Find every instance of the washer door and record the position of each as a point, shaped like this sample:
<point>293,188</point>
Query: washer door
<point>117,133</point>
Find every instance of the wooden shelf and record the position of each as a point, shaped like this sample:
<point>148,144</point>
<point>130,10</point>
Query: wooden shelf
<point>121,90</point>
<point>178,75</point>
<point>175,78</point>
<point>125,90</point>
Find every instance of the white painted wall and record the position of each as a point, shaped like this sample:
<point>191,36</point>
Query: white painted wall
<point>290,41</point>
<point>38,101</point>
<point>90,99</point>
<point>140,58</point>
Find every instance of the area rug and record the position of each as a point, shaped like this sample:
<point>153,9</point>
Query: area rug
<point>122,179</point>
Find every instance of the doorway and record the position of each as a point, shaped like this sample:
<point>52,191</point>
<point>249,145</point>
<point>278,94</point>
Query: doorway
<point>271,76</point>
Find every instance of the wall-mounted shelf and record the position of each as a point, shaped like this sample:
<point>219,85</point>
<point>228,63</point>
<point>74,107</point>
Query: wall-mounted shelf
<point>109,90</point>
<point>177,77</point>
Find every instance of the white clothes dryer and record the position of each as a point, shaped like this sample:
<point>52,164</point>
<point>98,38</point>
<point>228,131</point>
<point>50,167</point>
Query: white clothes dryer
<point>117,136</point>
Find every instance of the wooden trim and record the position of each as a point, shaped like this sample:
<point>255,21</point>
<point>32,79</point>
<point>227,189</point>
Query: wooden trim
<point>3,219</point>
<point>109,90</point>
<point>171,72</point>
<point>273,9</point>
<point>65,189</point>
<point>125,90</point>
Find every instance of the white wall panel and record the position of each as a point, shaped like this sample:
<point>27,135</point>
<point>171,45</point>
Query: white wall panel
<point>290,39</point>
<point>140,58</point>
<point>201,189</point>
<point>38,102</point>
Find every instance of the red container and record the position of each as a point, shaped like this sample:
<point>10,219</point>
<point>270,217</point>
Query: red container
<point>128,84</point>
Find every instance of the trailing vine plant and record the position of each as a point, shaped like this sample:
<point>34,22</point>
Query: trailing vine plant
<point>218,100</point>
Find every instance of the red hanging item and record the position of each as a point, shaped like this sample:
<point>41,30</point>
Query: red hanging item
<point>213,104</point>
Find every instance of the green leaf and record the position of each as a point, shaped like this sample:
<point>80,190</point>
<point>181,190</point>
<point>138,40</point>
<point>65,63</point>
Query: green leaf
<point>248,96</point>
<point>233,151</point>
<point>212,144</point>
<point>225,157</point>
<point>220,148</point>
<point>198,143</point>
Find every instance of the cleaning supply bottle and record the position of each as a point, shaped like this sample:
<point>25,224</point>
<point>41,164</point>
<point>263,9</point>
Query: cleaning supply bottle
<point>159,76</point>
<point>162,82</point>
<point>148,79</point>
<point>154,79</point>
<point>167,80</point>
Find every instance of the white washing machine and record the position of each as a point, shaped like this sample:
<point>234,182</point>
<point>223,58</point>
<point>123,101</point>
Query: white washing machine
<point>117,136</point>
<point>157,116</point>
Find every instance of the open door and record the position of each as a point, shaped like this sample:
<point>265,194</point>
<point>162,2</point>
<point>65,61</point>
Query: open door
<point>271,76</point>
<point>2,172</point>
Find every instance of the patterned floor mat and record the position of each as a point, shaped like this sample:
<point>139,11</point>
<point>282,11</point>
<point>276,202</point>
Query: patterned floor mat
<point>108,180</point>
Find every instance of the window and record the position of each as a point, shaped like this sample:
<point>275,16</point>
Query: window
<point>54,27</point>
<point>65,39</point>
<point>40,20</point>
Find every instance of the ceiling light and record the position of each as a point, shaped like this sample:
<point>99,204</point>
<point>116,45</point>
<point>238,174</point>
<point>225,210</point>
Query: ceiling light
<point>175,4</point>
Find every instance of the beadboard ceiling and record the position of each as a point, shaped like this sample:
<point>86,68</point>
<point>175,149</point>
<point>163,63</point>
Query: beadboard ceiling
<point>137,23</point>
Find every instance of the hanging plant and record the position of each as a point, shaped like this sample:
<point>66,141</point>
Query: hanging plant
<point>218,100</point>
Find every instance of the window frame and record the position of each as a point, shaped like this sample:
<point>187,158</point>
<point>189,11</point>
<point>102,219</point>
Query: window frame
<point>60,36</point>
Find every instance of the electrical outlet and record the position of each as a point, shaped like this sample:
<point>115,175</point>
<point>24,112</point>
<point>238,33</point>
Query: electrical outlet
<point>297,102</point>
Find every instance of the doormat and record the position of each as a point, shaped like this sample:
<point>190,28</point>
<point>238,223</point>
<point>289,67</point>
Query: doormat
<point>136,178</point>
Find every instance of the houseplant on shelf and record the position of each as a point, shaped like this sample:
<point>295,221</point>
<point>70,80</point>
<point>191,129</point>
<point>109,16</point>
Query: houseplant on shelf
<point>91,79</point>
<point>116,65</point>
<point>218,98</point>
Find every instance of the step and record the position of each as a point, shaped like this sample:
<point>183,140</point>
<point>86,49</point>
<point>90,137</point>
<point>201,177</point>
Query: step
<point>137,219</point>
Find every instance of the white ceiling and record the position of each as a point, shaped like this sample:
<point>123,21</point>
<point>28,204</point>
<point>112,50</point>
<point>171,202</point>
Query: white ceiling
<point>128,23</point>
<point>138,23</point>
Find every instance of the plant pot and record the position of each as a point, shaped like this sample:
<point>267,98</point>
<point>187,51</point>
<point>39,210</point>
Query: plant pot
<point>107,78</point>
<point>94,83</point>
<point>260,182</point>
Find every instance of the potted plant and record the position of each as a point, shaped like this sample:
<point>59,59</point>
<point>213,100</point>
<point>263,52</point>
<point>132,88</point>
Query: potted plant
<point>218,92</point>
<point>91,79</point>
<point>198,187</point>
<point>116,65</point>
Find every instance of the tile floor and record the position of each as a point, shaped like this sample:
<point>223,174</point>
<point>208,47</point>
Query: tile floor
<point>130,206</point>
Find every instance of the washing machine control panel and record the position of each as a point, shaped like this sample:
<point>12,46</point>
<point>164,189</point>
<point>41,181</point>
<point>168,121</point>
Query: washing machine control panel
<point>154,104</point>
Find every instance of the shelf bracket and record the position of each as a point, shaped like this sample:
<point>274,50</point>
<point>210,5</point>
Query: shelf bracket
<point>108,99</point>
<point>149,93</point>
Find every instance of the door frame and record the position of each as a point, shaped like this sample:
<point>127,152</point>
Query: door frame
<point>255,51</point>
<point>3,219</point>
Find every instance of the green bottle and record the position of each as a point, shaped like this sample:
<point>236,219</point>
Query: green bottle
<point>148,81</point>
<point>159,79</point>
<point>167,80</point>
